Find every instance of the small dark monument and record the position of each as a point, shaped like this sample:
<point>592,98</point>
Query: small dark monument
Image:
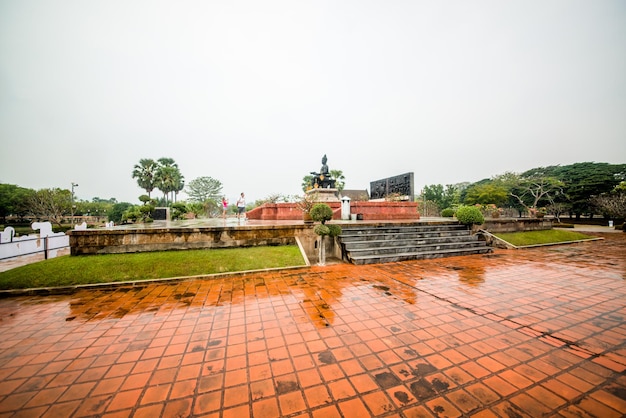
<point>401,185</point>
<point>323,180</point>
<point>161,214</point>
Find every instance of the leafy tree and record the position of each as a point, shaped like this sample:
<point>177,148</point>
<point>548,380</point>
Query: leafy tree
<point>306,182</point>
<point>51,204</point>
<point>340,179</point>
<point>487,193</point>
<point>14,200</point>
<point>442,197</point>
<point>117,211</point>
<point>452,194</point>
<point>531,189</point>
<point>584,180</point>
<point>434,193</point>
<point>146,174</point>
<point>611,205</point>
<point>204,189</point>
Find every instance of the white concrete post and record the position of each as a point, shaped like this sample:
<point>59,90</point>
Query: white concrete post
<point>345,208</point>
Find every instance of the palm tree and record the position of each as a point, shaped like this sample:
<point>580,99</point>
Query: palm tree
<point>180,185</point>
<point>169,179</point>
<point>145,173</point>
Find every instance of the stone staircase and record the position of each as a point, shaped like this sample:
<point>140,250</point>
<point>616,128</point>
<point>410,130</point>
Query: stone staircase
<point>385,243</point>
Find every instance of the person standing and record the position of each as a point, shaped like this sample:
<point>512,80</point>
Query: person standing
<point>241,206</point>
<point>224,206</point>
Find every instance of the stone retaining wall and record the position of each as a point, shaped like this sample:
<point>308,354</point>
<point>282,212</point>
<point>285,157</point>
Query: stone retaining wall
<point>514,224</point>
<point>115,241</point>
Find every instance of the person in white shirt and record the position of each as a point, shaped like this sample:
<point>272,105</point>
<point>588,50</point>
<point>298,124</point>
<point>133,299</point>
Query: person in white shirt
<point>241,206</point>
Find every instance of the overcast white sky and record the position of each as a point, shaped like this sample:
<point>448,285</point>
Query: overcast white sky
<point>254,93</point>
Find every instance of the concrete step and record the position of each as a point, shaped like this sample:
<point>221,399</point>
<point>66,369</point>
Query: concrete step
<point>393,235</point>
<point>377,229</point>
<point>407,241</point>
<point>374,259</point>
<point>414,249</point>
<point>368,244</point>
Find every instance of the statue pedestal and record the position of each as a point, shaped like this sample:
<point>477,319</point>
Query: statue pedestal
<point>324,195</point>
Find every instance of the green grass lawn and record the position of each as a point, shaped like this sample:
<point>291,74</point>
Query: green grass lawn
<point>75,270</point>
<point>549,236</point>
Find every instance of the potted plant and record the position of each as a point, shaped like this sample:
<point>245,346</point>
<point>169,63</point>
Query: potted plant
<point>305,204</point>
<point>321,212</point>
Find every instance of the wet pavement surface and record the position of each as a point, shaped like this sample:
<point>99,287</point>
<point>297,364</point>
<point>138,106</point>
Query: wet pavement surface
<point>516,333</point>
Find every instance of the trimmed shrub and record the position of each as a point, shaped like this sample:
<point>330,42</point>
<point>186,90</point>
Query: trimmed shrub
<point>447,213</point>
<point>321,212</point>
<point>469,215</point>
<point>334,230</point>
<point>321,229</point>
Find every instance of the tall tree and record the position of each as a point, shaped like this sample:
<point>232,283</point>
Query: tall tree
<point>146,174</point>
<point>612,205</point>
<point>169,178</point>
<point>531,190</point>
<point>340,182</point>
<point>51,204</point>
<point>442,197</point>
<point>487,193</point>
<point>204,189</point>
<point>14,200</point>
<point>584,180</point>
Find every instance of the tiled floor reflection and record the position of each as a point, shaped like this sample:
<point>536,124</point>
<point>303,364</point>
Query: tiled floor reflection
<point>527,333</point>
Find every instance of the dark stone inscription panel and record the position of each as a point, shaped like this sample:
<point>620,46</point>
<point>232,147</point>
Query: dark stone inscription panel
<point>160,214</point>
<point>402,185</point>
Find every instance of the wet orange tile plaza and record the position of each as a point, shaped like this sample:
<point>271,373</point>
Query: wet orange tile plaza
<point>527,333</point>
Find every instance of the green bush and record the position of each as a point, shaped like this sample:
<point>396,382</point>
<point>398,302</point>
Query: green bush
<point>469,215</point>
<point>321,212</point>
<point>321,229</point>
<point>447,213</point>
<point>334,230</point>
<point>178,211</point>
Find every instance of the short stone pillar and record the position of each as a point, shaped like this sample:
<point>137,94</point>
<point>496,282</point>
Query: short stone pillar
<point>345,208</point>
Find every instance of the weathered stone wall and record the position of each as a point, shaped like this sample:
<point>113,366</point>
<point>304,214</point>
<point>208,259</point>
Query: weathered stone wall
<point>309,242</point>
<point>115,241</point>
<point>514,225</point>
